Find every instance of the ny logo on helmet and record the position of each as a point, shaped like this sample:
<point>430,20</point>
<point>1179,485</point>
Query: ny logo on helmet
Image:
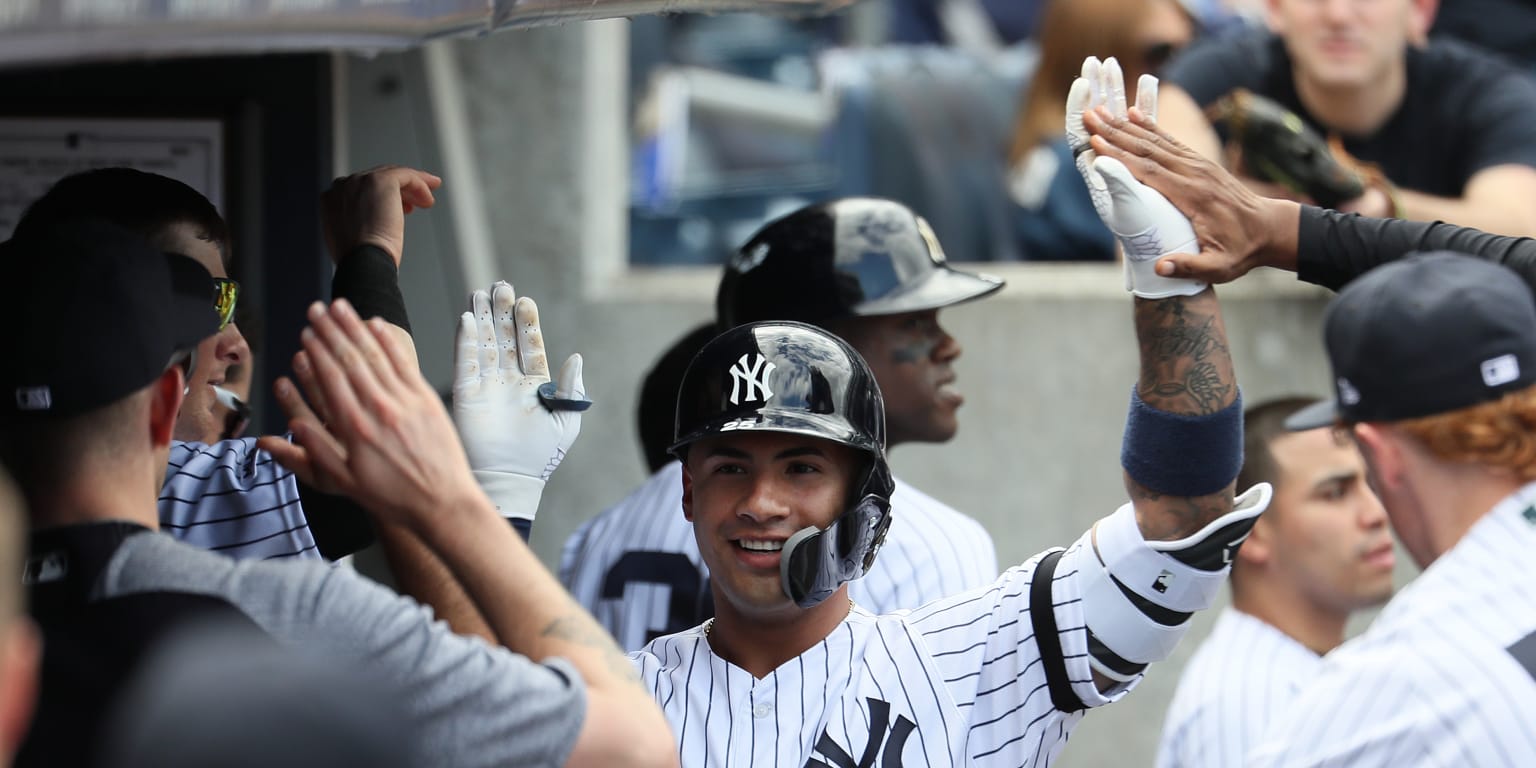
<point>753,377</point>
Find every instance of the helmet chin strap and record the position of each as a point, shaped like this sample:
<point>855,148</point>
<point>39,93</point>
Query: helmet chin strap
<point>817,561</point>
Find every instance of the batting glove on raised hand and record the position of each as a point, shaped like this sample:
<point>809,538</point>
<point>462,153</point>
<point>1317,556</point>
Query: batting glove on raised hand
<point>1147,225</point>
<point>513,441</point>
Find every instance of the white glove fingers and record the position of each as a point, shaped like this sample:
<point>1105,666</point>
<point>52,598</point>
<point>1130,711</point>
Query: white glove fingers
<point>1114,86</point>
<point>1146,96</point>
<point>1078,98</point>
<point>485,331</point>
<point>570,385</point>
<point>1090,72</point>
<point>503,302</point>
<point>530,339</point>
<point>466,357</point>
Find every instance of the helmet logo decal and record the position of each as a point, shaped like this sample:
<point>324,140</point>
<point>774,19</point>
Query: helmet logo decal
<point>749,258</point>
<point>934,251</point>
<point>752,377</point>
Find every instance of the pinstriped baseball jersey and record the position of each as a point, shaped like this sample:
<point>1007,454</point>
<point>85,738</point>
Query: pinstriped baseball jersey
<point>233,499</point>
<point>636,567</point>
<point>1446,675</point>
<point>1241,678</point>
<point>955,682</point>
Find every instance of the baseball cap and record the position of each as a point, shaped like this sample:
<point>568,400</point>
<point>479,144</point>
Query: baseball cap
<point>93,313</point>
<point>1431,333</point>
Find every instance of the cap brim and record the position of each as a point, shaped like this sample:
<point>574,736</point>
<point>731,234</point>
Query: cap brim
<point>945,287</point>
<point>193,316</point>
<point>1324,413</point>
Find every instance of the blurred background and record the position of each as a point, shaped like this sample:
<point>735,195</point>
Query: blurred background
<point>607,167</point>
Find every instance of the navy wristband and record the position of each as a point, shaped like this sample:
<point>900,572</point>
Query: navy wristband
<point>1182,455</point>
<point>367,278</point>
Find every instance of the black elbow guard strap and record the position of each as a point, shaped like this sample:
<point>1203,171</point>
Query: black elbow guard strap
<point>1181,455</point>
<point>367,277</point>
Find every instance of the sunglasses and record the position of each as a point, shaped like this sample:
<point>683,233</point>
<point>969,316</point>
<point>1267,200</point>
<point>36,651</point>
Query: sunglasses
<point>226,293</point>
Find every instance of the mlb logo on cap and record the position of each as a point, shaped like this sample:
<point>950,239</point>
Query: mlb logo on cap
<point>1430,334</point>
<point>34,399</point>
<point>1501,370</point>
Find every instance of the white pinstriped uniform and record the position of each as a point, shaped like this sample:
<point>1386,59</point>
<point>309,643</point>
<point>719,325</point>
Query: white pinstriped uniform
<point>931,551</point>
<point>956,682</point>
<point>1244,675</point>
<point>1445,676</point>
<point>233,499</point>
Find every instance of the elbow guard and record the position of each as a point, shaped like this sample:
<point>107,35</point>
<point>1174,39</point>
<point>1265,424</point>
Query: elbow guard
<point>1138,595</point>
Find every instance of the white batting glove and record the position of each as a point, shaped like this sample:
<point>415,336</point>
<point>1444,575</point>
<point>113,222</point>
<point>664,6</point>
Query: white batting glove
<point>1147,225</point>
<point>513,442</point>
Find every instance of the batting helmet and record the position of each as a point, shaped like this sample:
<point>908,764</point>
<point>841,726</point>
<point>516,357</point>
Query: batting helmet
<point>848,257</point>
<point>793,378</point>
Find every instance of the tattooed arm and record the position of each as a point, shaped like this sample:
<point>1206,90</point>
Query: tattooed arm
<point>1186,369</point>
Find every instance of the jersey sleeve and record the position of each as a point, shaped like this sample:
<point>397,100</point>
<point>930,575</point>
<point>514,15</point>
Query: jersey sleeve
<point>984,644</point>
<point>475,705</point>
<point>231,498</point>
<point>1334,248</point>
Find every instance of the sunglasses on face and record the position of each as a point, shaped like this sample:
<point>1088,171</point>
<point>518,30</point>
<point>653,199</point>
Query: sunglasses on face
<point>226,293</point>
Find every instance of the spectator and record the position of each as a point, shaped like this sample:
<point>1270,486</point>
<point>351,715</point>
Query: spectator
<point>1463,150</point>
<point>1054,219</point>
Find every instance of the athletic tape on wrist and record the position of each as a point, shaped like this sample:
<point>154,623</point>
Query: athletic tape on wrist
<point>367,277</point>
<point>1138,596</point>
<point>1182,455</point>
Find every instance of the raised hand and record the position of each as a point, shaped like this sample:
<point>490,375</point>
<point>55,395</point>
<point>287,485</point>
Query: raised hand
<point>1237,229</point>
<point>369,208</point>
<point>513,440</point>
<point>1147,225</point>
<point>388,441</point>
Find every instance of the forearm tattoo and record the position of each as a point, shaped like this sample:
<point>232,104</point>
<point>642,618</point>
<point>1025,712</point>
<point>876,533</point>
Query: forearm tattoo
<point>1185,364</point>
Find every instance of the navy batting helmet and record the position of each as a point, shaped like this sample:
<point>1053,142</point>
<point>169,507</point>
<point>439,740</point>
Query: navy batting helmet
<point>848,257</point>
<point>793,378</point>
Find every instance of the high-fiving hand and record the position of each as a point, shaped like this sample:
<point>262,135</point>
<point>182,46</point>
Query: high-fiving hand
<point>1147,225</point>
<point>513,440</point>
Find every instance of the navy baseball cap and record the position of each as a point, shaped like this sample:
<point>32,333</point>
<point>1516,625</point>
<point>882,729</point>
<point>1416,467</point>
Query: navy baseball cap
<point>93,313</point>
<point>1432,333</point>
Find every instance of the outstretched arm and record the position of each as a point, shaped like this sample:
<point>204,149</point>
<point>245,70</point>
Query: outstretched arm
<point>391,444</point>
<point>364,221</point>
<point>1239,230</point>
<point>1164,555</point>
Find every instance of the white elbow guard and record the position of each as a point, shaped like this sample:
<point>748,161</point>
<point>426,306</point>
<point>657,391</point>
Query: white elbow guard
<point>1138,595</point>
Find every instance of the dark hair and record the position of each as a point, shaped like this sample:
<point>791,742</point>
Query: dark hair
<point>1261,425</point>
<point>656,412</point>
<point>141,202</point>
<point>45,455</point>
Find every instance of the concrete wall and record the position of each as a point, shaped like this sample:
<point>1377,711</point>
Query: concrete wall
<point>1047,365</point>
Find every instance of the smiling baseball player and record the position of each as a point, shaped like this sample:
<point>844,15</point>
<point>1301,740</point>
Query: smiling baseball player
<point>636,566</point>
<point>780,430</point>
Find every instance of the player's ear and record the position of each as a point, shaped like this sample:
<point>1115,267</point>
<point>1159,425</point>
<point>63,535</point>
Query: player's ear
<point>687,493</point>
<point>1272,16</point>
<point>165,396</point>
<point>1384,458</point>
<point>1421,16</point>
<point>1258,548</point>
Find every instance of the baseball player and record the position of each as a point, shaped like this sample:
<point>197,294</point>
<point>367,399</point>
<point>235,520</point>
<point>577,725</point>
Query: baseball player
<point>1434,364</point>
<point>872,272</point>
<point>226,495</point>
<point>1321,552</point>
<point>780,430</point>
